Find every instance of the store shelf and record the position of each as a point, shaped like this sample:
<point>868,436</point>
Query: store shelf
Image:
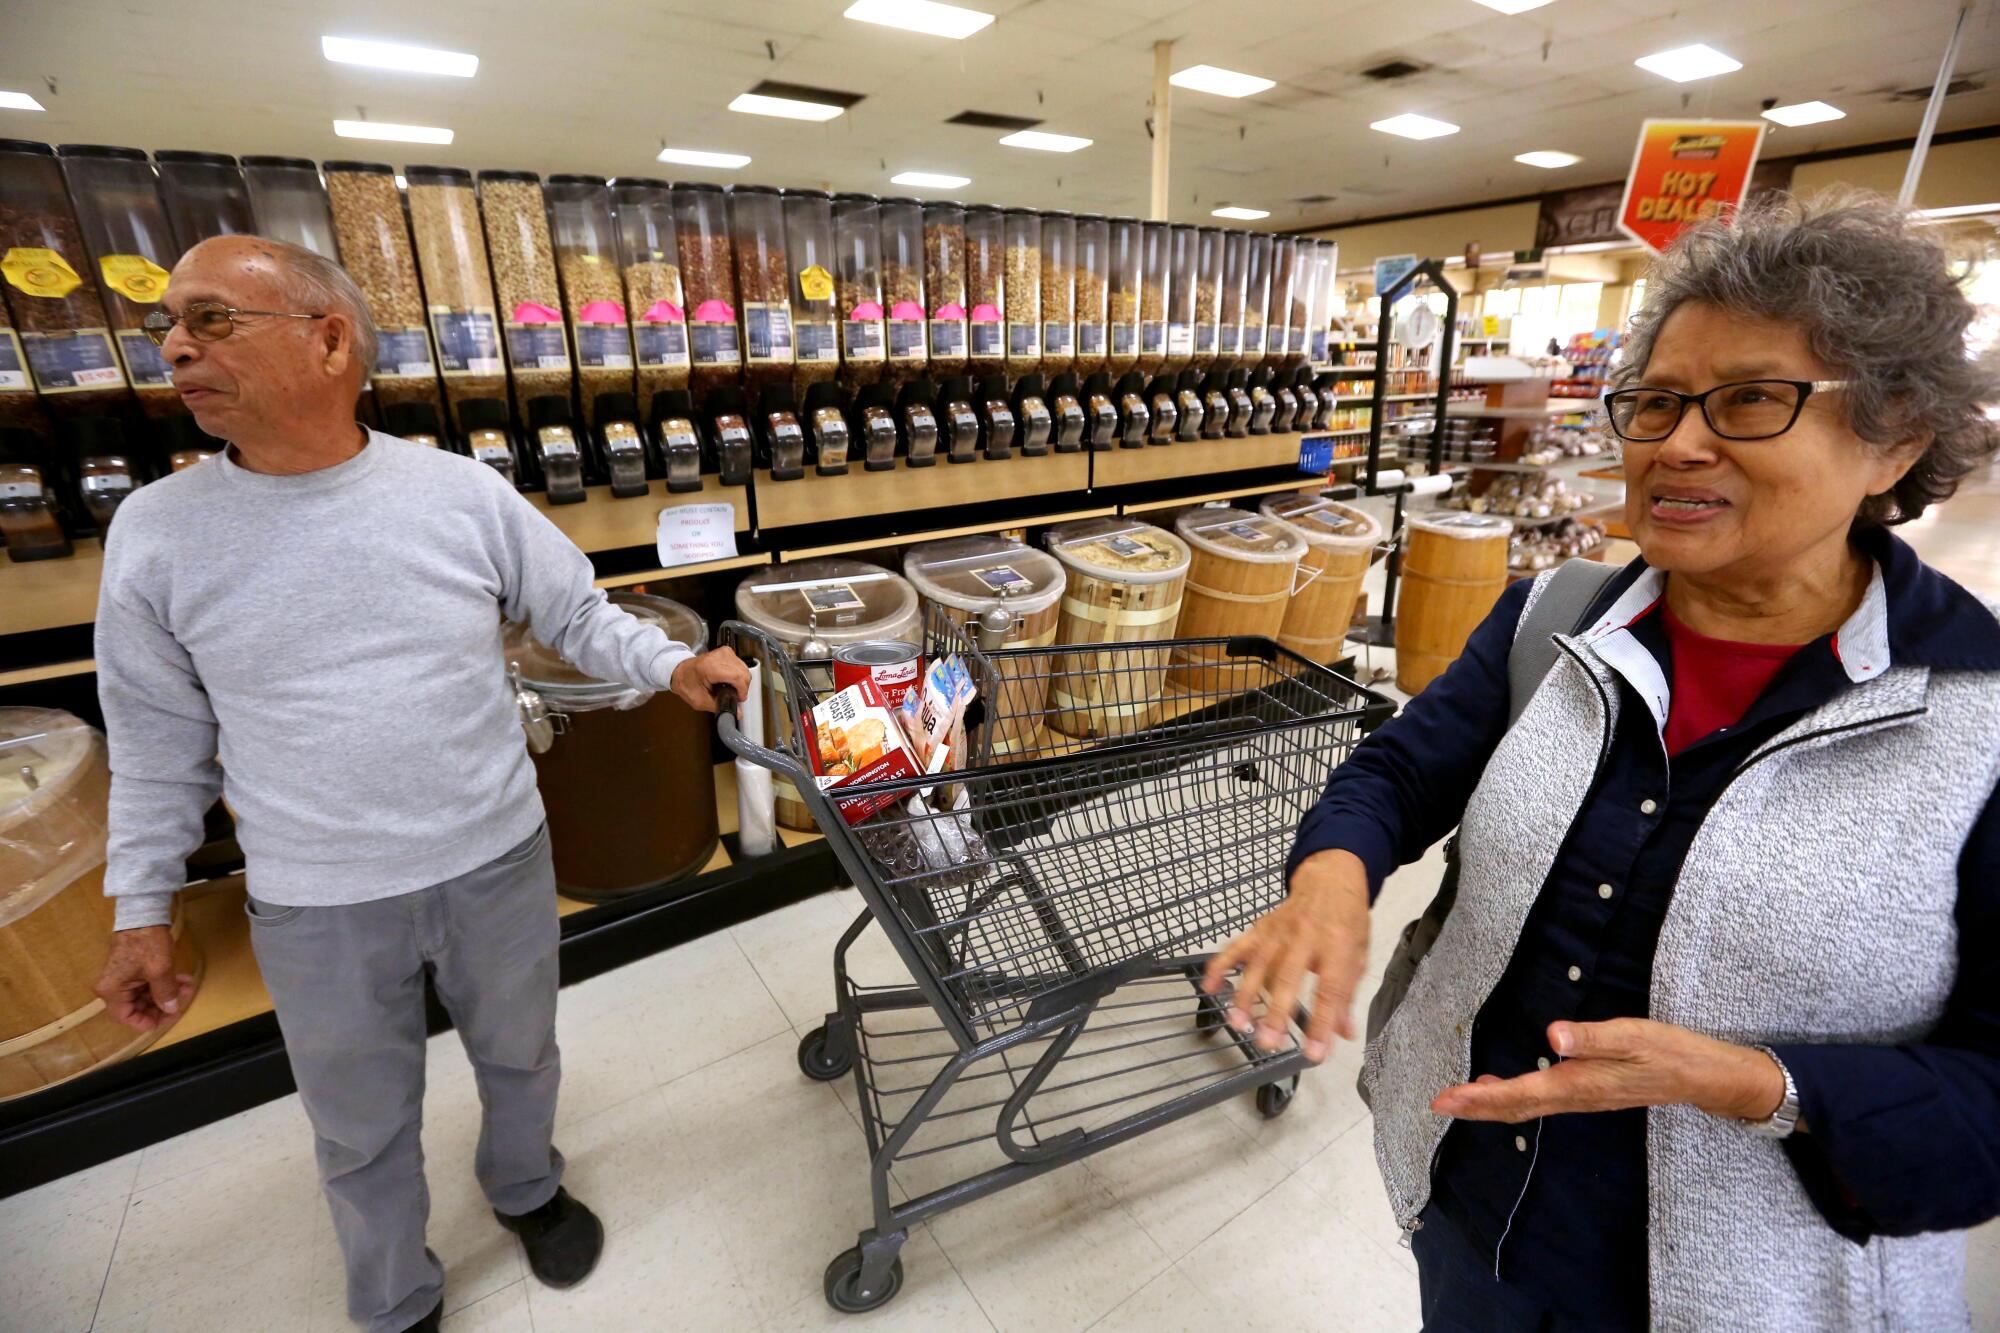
<point>1579,463</point>
<point>685,571</point>
<point>1552,408</point>
<point>52,671</point>
<point>605,523</point>
<point>1312,484</point>
<point>903,490</point>
<point>50,594</point>
<point>940,534</point>
<point>1192,458</point>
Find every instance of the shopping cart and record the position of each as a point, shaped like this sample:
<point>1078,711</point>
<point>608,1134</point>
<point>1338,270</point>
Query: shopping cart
<point>1055,917</point>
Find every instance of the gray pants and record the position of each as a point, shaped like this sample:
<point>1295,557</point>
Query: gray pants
<point>348,985</point>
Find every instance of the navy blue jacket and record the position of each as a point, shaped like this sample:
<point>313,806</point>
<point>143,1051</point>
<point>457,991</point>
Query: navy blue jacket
<point>1902,1138</point>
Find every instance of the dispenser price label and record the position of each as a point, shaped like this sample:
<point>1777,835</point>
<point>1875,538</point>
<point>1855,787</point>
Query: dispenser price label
<point>1229,339</point>
<point>862,339</point>
<point>143,362</point>
<point>713,344</point>
<point>1124,338</point>
<point>661,344</point>
<point>1056,339</point>
<point>403,352</point>
<point>1243,532</point>
<point>906,340</point>
<point>1090,340</point>
<point>72,362</point>
<point>1204,338</point>
<point>1180,340</point>
<point>947,337</point>
<point>1317,347</point>
<point>537,347</point>
<point>832,597</point>
<point>985,341</point>
<point>468,342</point>
<point>1126,547</point>
<point>20,490</point>
<point>767,331</point>
<point>603,347</point>
<point>1152,338</point>
<point>814,343</point>
<point>1021,340</point>
<point>13,365</point>
<point>1003,579</point>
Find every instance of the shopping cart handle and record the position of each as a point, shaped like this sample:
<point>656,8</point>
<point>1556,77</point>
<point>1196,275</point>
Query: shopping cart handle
<point>726,699</point>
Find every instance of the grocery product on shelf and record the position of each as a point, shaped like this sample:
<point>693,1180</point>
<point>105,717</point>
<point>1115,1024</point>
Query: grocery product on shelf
<point>132,250</point>
<point>1240,578</point>
<point>944,287</point>
<point>964,579</point>
<point>1093,277</point>
<point>1024,291</point>
<point>1522,495</point>
<point>643,210</point>
<point>1340,542</point>
<point>985,289</point>
<point>906,330</point>
<point>1122,300</point>
<point>374,241</point>
<point>1551,444</point>
<point>1454,567</point>
<point>1155,271</point>
<point>1278,308</point>
<point>857,240</point>
<point>1058,279</point>
<point>1125,583</point>
<point>1535,549</point>
<point>708,276</point>
<point>593,289</point>
<point>809,249</point>
<point>1184,244</point>
<point>205,196</point>
<point>289,203</point>
<point>458,286</point>
<point>524,279</point>
<point>64,333</point>
<point>1208,274</point>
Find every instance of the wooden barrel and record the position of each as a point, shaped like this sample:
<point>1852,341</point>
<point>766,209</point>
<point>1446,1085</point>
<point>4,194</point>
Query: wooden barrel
<point>55,922</point>
<point>836,601</point>
<point>1340,540</point>
<point>630,791</point>
<point>1240,580</point>
<point>963,578</point>
<point>1126,581</point>
<point>1453,573</point>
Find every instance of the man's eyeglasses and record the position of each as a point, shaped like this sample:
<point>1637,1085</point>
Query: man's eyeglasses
<point>1745,410</point>
<point>207,321</point>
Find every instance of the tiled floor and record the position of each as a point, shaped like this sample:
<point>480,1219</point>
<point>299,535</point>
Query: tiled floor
<point>727,1180</point>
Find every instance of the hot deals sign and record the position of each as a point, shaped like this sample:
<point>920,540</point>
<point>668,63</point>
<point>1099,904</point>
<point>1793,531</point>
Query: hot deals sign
<point>1685,171</point>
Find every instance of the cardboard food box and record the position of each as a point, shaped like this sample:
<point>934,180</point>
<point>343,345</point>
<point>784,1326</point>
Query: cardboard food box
<point>854,739</point>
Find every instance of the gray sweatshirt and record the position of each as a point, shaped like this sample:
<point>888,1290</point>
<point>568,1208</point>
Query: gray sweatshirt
<point>324,652</point>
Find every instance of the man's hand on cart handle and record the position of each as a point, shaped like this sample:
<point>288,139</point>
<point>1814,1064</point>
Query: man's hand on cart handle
<point>1321,928</point>
<point>140,987</point>
<point>696,679</point>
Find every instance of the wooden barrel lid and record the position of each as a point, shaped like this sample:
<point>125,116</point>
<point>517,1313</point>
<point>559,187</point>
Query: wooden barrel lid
<point>53,795</point>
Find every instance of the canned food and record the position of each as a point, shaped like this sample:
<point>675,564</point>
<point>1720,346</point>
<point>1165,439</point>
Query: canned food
<point>894,666</point>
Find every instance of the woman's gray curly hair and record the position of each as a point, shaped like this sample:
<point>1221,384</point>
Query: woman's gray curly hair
<point>1872,290</point>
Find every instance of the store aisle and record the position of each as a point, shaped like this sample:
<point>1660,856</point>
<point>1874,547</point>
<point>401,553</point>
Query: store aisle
<point>727,1180</point>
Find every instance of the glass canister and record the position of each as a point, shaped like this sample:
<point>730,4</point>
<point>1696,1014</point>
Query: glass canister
<point>903,290</point>
<point>1235,279</point>
<point>65,335</point>
<point>125,230</point>
<point>763,284</point>
<point>1207,297</point>
<point>1256,296</point>
<point>985,289</point>
<point>1278,310</point>
<point>944,287</point>
<point>643,210</point>
<point>1155,276</point>
<point>1305,299</point>
<point>593,289</point>
<point>1185,262</point>
<point>458,286</point>
<point>1093,291</point>
<point>708,276</point>
<point>205,196</point>
<point>374,240</point>
<point>1319,346</point>
<point>524,278</point>
<point>857,241</point>
<point>810,258</point>
<point>1058,294</point>
<point>289,202</point>
<point>1024,291</point>
<point>1122,302</point>
<point>622,758</point>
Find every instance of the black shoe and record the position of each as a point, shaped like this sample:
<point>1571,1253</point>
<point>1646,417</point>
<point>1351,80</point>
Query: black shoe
<point>430,1322</point>
<point>563,1239</point>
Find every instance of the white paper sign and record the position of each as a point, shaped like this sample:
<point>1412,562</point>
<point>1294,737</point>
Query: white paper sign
<point>695,534</point>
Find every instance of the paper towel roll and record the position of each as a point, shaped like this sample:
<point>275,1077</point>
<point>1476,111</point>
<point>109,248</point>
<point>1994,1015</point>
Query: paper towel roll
<point>1388,479</point>
<point>756,818</point>
<point>750,715</point>
<point>1437,485</point>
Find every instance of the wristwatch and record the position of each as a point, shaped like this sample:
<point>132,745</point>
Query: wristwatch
<point>1786,1118</point>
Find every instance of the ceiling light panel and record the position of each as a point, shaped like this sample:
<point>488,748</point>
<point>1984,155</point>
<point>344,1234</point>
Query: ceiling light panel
<point>929,180</point>
<point>1685,64</point>
<point>1804,113</point>
<point>701,157</point>
<point>1513,6</point>
<point>19,102</point>
<point>1221,82</point>
<point>1547,157</point>
<point>382,129</point>
<point>934,20</point>
<point>1240,214</point>
<point>1414,127</point>
<point>757,104</point>
<point>396,56</point>
<point>1045,142</point>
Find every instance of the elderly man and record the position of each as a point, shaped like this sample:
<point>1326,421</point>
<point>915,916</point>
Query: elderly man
<point>309,623</point>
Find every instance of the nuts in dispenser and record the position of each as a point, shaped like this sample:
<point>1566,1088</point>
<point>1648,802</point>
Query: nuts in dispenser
<point>375,250</point>
<point>524,278</point>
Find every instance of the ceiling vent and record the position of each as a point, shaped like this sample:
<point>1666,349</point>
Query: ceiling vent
<point>805,92</point>
<point>1315,198</point>
<point>1398,68</point>
<point>986,120</point>
<point>1952,89</point>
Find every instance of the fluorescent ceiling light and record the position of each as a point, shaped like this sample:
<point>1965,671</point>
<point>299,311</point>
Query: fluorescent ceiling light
<point>1547,157</point>
<point>1048,143</point>
<point>1414,127</point>
<point>1241,214</point>
<point>929,180</point>
<point>1804,113</point>
<point>920,16</point>
<point>401,184</point>
<point>1685,64</point>
<point>394,55</point>
<point>758,104</point>
<point>696,157</point>
<point>382,129</point>
<point>1958,211</point>
<point>1513,6</point>
<point>1221,82</point>
<point>19,102</point>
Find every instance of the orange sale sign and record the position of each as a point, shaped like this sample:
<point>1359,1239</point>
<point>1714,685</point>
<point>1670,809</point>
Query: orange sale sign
<point>1684,171</point>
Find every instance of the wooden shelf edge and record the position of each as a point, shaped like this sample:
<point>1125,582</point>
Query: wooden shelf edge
<point>52,671</point>
<point>603,522</point>
<point>1303,483</point>
<point>685,571</point>
<point>862,494</point>
<point>940,534</point>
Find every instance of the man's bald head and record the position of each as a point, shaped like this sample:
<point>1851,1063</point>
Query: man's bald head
<point>304,281</point>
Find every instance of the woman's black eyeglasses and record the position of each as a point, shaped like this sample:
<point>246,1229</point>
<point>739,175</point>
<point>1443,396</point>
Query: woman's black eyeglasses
<point>207,321</point>
<point>1745,410</point>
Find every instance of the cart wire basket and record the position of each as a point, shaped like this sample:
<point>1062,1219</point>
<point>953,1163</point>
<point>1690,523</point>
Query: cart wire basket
<point>1055,913</point>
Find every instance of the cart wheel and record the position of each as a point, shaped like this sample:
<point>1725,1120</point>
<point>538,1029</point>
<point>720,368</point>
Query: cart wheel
<point>843,1284</point>
<point>1207,1016</point>
<point>1273,1098</point>
<point>820,1059</point>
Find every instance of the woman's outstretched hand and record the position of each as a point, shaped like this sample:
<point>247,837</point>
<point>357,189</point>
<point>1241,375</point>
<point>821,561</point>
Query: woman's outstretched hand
<point>1321,929</point>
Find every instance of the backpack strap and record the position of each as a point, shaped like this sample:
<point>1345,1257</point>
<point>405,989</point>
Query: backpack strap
<point>1559,604</point>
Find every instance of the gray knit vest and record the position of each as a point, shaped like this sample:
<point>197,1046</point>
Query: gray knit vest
<point>1815,905</point>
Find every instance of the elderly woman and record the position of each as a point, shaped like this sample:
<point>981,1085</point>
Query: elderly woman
<point>1711,1036</point>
